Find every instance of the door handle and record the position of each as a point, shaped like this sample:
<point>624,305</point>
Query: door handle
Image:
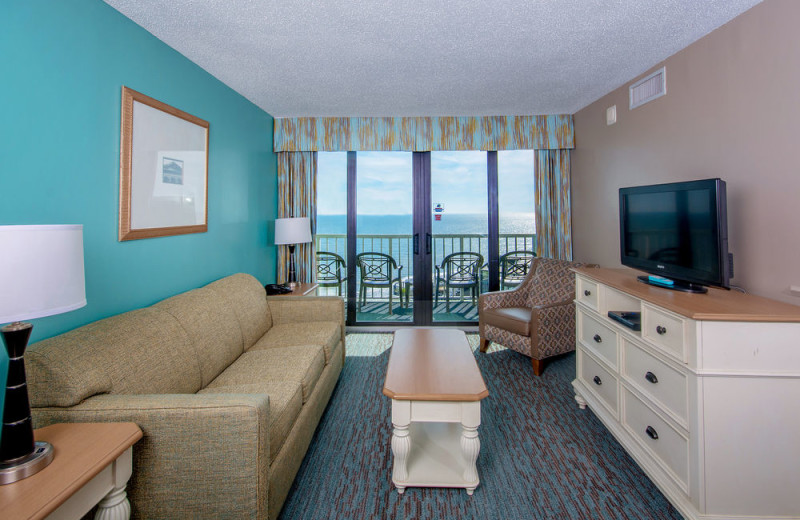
<point>427,243</point>
<point>416,243</point>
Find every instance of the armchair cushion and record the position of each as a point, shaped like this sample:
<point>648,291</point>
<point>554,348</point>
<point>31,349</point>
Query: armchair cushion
<point>513,319</point>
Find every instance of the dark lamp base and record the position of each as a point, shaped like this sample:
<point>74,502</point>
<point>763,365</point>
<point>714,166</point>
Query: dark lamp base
<point>20,457</point>
<point>29,465</point>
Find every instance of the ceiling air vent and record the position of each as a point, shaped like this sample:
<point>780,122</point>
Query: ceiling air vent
<point>649,88</point>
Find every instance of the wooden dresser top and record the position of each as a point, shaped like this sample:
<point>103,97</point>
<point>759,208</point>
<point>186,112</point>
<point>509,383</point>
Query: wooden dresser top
<point>716,305</point>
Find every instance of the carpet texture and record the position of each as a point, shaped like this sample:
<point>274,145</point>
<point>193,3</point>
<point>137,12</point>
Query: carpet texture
<point>541,456</point>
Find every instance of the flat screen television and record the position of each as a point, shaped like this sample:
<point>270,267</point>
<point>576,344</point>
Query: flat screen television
<point>677,232</point>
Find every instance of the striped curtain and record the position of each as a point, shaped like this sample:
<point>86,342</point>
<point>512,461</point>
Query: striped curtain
<point>421,134</point>
<point>550,136</point>
<point>553,204</point>
<point>297,197</point>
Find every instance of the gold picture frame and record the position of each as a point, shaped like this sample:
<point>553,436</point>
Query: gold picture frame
<point>163,187</point>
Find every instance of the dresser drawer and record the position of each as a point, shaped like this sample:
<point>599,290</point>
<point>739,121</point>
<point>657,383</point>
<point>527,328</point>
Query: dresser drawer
<point>665,330</point>
<point>669,447</point>
<point>599,380</point>
<point>656,379</point>
<point>587,292</point>
<point>599,338</point>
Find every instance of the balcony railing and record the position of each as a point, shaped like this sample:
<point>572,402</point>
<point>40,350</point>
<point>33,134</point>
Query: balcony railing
<point>400,247</point>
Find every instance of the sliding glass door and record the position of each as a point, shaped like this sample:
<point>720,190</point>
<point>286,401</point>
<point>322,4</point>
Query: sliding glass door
<point>460,233</point>
<point>419,236</point>
<point>383,250</point>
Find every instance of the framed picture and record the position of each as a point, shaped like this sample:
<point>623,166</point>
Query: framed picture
<point>163,170</point>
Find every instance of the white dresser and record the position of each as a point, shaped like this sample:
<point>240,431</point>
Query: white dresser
<point>705,398</point>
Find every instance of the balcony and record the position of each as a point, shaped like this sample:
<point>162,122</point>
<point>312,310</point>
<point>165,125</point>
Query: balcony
<point>400,248</point>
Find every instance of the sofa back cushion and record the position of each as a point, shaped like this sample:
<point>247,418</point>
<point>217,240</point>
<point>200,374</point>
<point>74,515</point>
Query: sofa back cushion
<point>246,296</point>
<point>212,327</point>
<point>139,352</point>
<point>178,345</point>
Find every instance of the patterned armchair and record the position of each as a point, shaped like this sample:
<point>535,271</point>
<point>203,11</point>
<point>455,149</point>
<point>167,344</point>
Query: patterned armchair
<point>537,318</point>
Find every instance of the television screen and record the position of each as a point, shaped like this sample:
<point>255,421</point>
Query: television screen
<point>677,230</point>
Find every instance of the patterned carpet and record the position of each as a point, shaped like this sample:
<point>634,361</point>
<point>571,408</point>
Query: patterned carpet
<point>541,456</point>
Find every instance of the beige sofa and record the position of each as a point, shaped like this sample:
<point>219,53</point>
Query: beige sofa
<point>227,386</point>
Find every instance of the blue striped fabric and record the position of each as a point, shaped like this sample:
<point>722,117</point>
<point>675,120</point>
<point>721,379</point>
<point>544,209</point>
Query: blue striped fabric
<point>333,134</point>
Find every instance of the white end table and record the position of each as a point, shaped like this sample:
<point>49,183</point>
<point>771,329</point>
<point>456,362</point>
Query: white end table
<point>92,463</point>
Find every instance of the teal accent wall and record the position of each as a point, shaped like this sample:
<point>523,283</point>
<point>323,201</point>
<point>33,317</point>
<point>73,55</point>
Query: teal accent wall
<point>63,67</point>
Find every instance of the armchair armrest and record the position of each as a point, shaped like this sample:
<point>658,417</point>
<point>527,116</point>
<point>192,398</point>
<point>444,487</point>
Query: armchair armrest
<point>202,455</point>
<point>494,299</point>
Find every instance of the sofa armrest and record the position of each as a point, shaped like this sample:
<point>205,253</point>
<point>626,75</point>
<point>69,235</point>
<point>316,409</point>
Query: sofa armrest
<point>306,308</point>
<point>202,455</point>
<point>309,308</point>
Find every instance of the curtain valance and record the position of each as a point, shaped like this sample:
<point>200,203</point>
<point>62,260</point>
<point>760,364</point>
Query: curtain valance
<point>312,134</point>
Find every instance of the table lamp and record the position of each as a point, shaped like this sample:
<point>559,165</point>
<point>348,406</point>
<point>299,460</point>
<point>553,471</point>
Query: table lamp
<point>41,274</point>
<point>292,231</point>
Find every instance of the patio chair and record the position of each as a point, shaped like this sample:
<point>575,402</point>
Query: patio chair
<point>537,318</point>
<point>330,270</point>
<point>377,272</point>
<point>459,271</point>
<point>514,267</point>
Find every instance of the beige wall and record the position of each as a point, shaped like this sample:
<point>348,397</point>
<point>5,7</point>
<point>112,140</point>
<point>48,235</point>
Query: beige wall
<point>732,110</point>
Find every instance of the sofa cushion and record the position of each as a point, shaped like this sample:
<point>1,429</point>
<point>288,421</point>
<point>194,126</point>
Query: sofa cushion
<point>300,364</point>
<point>211,325</point>
<point>513,319</point>
<point>139,352</point>
<point>285,402</point>
<point>248,299</point>
<point>324,333</point>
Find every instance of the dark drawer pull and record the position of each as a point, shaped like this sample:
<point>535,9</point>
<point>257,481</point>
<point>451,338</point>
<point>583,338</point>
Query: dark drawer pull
<point>652,433</point>
<point>587,292</point>
<point>597,380</point>
<point>597,338</point>
<point>661,330</point>
<point>651,377</point>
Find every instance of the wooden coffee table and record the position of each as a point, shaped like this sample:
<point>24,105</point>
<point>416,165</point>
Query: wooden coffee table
<point>436,390</point>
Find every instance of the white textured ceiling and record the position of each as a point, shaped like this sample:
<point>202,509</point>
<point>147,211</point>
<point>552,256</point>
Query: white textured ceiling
<point>418,57</point>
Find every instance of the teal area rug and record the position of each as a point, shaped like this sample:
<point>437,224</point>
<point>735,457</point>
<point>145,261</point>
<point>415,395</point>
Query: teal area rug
<point>541,456</point>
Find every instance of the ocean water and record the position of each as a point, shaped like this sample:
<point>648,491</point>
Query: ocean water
<point>521,225</point>
<point>450,224</point>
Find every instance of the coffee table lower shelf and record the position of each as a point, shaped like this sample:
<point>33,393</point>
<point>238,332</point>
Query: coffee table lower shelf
<point>438,455</point>
<point>435,458</point>
<point>436,390</point>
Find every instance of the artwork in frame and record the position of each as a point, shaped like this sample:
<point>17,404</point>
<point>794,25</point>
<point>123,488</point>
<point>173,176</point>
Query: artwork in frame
<point>163,170</point>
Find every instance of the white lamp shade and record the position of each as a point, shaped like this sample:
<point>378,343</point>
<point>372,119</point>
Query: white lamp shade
<point>41,271</point>
<point>292,230</point>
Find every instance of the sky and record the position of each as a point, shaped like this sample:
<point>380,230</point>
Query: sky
<point>458,182</point>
